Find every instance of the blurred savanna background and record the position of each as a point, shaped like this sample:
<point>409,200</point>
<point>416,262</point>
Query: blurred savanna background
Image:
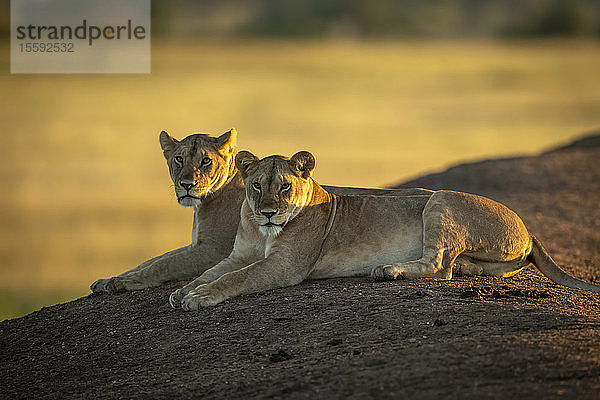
<point>379,91</point>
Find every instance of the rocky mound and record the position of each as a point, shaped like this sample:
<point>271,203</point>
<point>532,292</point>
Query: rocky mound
<point>519,337</point>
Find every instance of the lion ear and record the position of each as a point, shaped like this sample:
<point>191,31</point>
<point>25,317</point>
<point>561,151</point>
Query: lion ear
<point>226,142</point>
<point>167,143</point>
<point>245,162</point>
<point>303,163</point>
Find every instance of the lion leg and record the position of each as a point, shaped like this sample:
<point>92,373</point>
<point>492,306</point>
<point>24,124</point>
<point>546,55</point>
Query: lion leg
<point>441,246</point>
<point>460,267</point>
<point>436,263</point>
<point>465,267</point>
<point>111,285</point>
<point>174,266</point>
<point>503,269</point>
<point>225,266</point>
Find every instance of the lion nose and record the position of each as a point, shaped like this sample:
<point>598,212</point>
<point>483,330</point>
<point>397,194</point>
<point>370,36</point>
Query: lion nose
<point>268,214</point>
<point>187,186</point>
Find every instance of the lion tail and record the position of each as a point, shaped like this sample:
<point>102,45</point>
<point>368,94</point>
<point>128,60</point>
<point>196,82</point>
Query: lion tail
<point>547,266</point>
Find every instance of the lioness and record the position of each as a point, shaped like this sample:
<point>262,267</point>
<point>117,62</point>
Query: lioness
<point>204,175</point>
<point>292,229</point>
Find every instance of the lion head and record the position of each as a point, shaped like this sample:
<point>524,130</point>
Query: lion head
<point>276,187</point>
<point>199,164</point>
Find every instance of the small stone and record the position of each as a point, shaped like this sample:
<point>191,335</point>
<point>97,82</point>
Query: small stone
<point>280,355</point>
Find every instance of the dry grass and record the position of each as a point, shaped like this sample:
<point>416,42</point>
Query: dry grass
<point>85,192</point>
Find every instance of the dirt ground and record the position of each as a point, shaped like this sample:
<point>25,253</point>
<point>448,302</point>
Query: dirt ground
<point>482,338</point>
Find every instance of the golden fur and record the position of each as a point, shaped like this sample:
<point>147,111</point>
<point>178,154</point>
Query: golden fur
<point>292,229</point>
<point>205,178</point>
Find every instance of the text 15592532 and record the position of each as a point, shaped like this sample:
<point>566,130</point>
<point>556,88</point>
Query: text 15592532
<point>46,47</point>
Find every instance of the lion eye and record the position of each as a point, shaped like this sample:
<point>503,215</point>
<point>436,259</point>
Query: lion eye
<point>206,161</point>
<point>179,159</point>
<point>285,187</point>
<point>256,186</point>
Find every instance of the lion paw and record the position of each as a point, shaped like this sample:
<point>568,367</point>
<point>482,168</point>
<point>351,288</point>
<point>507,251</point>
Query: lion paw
<point>202,296</point>
<point>176,297</point>
<point>466,268</point>
<point>115,284</point>
<point>387,272</point>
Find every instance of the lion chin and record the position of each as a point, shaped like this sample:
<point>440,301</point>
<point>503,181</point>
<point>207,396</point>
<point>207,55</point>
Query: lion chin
<point>189,201</point>
<point>270,230</point>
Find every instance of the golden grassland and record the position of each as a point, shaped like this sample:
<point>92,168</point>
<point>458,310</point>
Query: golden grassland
<point>85,191</point>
